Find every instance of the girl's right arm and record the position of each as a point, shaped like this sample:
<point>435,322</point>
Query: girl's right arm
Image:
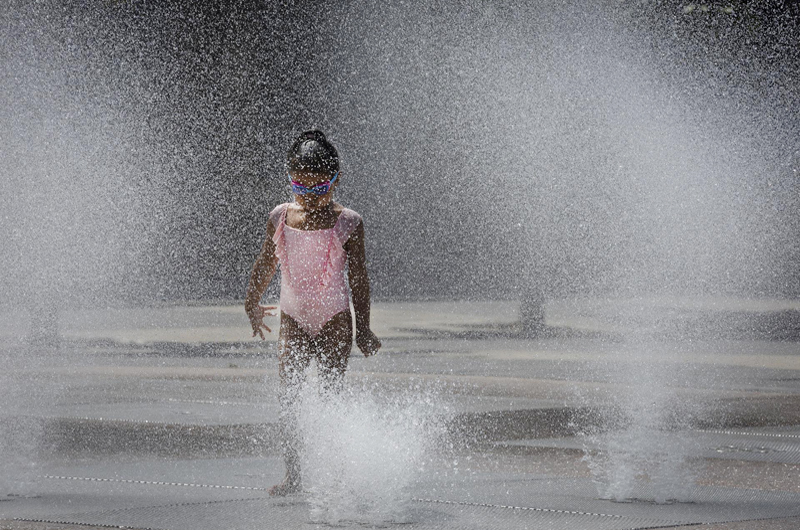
<point>263,271</point>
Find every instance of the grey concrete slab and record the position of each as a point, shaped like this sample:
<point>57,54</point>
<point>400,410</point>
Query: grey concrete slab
<point>256,513</point>
<point>701,505</point>
<point>244,474</point>
<point>779,445</point>
<point>91,486</point>
<point>163,498</point>
<point>172,411</point>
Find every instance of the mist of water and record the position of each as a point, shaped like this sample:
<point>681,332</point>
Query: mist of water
<point>567,147</point>
<point>568,144</point>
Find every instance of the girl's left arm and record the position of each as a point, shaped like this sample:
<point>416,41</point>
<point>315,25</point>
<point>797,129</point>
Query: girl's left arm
<point>366,340</point>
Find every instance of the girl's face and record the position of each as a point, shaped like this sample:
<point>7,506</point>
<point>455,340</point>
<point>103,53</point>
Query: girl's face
<point>309,179</point>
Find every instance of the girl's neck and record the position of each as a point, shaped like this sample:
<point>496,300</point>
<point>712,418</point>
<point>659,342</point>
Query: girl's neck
<point>321,211</point>
<point>314,219</point>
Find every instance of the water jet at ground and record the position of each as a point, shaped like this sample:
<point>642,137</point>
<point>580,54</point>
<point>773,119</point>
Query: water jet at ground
<point>365,452</point>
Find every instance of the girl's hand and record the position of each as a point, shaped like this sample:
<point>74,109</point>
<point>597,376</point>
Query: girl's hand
<point>367,342</point>
<point>257,319</point>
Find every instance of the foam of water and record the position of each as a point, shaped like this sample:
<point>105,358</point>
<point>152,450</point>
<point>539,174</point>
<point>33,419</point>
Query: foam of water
<point>643,463</point>
<point>26,393</point>
<point>19,462</point>
<point>364,451</point>
<point>645,447</point>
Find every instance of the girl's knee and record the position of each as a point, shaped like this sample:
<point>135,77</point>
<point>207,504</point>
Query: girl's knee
<point>332,380</point>
<point>293,359</point>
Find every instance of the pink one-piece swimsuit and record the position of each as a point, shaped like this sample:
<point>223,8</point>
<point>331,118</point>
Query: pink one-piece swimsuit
<point>313,283</point>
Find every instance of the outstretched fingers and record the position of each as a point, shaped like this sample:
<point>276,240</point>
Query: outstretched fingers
<point>266,310</point>
<point>258,321</point>
<point>258,330</point>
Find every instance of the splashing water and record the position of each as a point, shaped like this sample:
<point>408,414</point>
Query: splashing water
<point>645,444</point>
<point>643,463</point>
<point>364,450</point>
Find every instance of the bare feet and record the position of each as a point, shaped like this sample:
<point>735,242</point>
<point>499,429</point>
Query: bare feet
<point>289,486</point>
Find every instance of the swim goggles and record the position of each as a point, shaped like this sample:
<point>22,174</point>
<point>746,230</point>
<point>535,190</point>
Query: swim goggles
<point>320,189</point>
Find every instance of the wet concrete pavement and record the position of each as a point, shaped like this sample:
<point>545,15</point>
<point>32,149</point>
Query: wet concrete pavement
<point>166,417</point>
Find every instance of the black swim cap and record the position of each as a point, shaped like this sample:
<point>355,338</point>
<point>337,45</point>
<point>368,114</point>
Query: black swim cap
<point>311,151</point>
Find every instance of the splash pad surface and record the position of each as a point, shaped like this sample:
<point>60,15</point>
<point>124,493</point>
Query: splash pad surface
<point>169,434</point>
<point>227,493</point>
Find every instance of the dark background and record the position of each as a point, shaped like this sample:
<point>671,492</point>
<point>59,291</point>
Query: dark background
<point>474,142</point>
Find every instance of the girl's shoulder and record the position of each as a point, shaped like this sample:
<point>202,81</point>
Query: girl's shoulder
<point>346,214</point>
<point>346,223</point>
<point>277,212</point>
<point>279,208</point>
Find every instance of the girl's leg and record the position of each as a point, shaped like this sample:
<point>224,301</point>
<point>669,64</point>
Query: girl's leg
<point>296,351</point>
<point>332,349</point>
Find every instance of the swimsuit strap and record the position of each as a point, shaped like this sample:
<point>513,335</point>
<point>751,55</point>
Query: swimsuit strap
<point>346,224</point>
<point>278,216</point>
<point>278,219</point>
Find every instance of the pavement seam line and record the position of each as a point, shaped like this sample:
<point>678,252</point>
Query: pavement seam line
<point>153,483</point>
<point>743,433</point>
<point>210,402</point>
<point>529,508</point>
<point>53,521</point>
<point>250,488</point>
<point>108,512</point>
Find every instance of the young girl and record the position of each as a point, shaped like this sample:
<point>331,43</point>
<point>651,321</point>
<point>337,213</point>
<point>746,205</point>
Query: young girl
<point>314,239</point>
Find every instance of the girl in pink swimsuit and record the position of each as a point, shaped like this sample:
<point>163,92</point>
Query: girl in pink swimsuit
<point>315,240</point>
